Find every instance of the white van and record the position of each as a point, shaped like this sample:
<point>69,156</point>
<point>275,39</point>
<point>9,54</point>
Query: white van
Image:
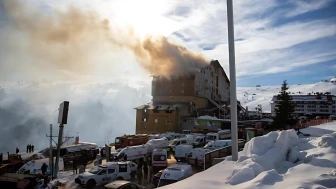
<point>220,135</point>
<point>221,143</point>
<point>218,144</point>
<point>175,173</point>
<point>182,151</point>
<point>34,166</point>
<point>133,153</point>
<point>196,157</point>
<point>179,141</point>
<point>103,174</point>
<point>161,143</point>
<point>199,141</point>
<point>159,158</point>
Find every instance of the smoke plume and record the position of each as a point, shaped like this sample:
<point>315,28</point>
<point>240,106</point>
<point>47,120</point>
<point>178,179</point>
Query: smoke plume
<point>74,39</point>
<point>36,44</point>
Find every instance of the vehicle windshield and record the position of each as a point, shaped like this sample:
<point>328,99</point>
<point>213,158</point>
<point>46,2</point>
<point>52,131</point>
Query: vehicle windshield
<point>174,142</point>
<point>197,139</point>
<point>210,137</point>
<point>117,141</point>
<point>94,170</point>
<point>164,182</point>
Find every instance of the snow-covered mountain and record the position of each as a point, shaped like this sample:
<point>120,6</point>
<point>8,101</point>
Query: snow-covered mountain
<point>99,110</point>
<point>252,96</point>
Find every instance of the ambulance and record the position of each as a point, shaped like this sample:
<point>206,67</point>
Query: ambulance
<point>175,173</point>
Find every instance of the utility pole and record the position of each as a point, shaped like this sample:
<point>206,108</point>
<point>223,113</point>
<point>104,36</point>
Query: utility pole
<point>233,89</point>
<point>62,119</point>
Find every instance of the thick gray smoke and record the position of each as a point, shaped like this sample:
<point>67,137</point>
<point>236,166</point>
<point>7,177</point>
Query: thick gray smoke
<point>58,45</point>
<point>98,112</point>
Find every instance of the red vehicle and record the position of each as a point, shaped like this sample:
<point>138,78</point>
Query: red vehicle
<point>130,140</point>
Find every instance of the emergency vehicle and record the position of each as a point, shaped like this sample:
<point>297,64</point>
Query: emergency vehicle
<point>175,173</point>
<point>106,173</point>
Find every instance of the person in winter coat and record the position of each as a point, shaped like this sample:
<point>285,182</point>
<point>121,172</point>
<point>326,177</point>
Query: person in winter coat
<point>44,168</point>
<point>17,150</point>
<point>1,158</point>
<point>139,172</point>
<point>27,148</point>
<point>145,171</point>
<point>32,148</point>
<point>74,165</point>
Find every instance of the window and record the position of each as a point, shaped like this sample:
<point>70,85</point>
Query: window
<point>159,158</point>
<point>156,120</point>
<point>144,119</point>
<point>182,90</point>
<point>182,84</point>
<point>111,171</point>
<point>168,121</point>
<point>103,172</point>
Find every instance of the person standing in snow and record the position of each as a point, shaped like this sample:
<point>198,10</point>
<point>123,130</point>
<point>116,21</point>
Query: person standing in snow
<point>32,147</point>
<point>74,165</point>
<point>1,157</point>
<point>145,170</point>
<point>17,150</point>
<point>44,169</point>
<point>27,148</point>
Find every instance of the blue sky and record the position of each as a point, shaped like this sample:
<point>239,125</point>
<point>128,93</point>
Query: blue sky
<point>275,40</point>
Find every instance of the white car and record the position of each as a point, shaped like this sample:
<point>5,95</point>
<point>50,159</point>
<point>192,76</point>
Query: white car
<point>105,174</point>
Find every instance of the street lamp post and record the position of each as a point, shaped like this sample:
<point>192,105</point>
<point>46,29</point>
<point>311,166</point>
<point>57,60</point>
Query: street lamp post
<point>233,90</point>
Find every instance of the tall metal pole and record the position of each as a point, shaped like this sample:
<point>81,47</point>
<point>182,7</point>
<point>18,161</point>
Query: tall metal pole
<point>233,90</point>
<point>60,138</point>
<point>51,157</point>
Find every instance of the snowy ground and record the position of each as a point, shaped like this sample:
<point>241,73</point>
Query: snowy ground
<point>276,160</point>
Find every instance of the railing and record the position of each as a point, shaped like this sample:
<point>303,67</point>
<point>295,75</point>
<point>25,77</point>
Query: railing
<point>217,105</point>
<point>318,122</point>
<point>219,153</point>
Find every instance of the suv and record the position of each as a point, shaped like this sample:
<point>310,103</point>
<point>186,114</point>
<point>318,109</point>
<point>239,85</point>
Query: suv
<point>104,174</point>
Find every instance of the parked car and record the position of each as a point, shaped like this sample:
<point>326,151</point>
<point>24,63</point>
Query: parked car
<point>122,184</point>
<point>156,178</point>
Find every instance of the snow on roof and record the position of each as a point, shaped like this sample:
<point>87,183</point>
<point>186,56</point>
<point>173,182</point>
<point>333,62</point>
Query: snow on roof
<point>277,160</point>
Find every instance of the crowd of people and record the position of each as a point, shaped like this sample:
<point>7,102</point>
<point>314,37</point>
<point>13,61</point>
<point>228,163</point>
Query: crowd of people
<point>30,148</point>
<point>144,168</point>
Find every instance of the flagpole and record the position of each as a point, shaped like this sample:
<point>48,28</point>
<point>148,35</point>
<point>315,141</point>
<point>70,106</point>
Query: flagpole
<point>233,90</point>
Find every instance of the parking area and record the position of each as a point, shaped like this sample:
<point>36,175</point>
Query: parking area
<point>70,184</point>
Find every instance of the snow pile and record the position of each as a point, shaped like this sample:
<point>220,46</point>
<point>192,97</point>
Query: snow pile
<point>328,140</point>
<point>265,153</point>
<point>277,160</point>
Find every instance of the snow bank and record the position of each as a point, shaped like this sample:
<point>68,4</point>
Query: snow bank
<point>265,153</point>
<point>320,130</point>
<point>328,140</point>
<point>277,160</point>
